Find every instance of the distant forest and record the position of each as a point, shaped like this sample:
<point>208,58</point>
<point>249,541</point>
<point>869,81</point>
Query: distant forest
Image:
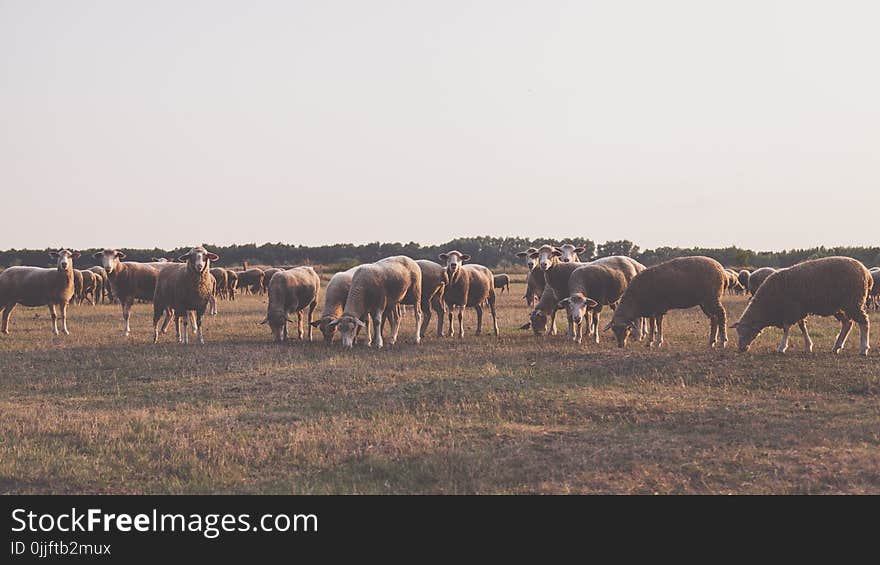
<point>494,252</point>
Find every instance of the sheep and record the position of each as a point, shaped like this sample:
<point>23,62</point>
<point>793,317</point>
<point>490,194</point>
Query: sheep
<point>678,283</point>
<point>251,280</point>
<point>502,282</point>
<point>434,280</point>
<point>569,253</point>
<point>468,286</point>
<point>731,282</point>
<point>36,286</point>
<point>267,278</point>
<point>758,277</point>
<point>291,290</point>
<point>335,296</point>
<point>555,275</point>
<point>161,260</point>
<point>535,280</point>
<point>77,287</point>
<point>106,294</point>
<point>875,290</point>
<point>89,287</point>
<point>831,286</point>
<point>221,279</point>
<point>184,287</point>
<point>130,281</point>
<point>231,284</point>
<point>743,279</point>
<point>376,289</point>
<point>542,313</point>
<point>591,287</point>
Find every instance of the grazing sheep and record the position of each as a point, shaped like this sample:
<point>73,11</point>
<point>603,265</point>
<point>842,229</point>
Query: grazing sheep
<point>743,278</point>
<point>502,282</point>
<point>569,253</point>
<point>183,288</point>
<point>434,280</point>
<point>542,313</point>
<point>221,279</point>
<point>334,303</point>
<point>758,277</point>
<point>251,280</point>
<point>231,284</point>
<point>130,281</point>
<point>470,286</point>
<point>267,278</point>
<point>292,290</point>
<point>36,286</point>
<point>831,286</point>
<point>89,287</point>
<point>376,289</point>
<point>678,283</point>
<point>591,287</point>
<point>555,275</point>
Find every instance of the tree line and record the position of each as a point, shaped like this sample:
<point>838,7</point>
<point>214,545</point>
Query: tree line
<point>494,252</point>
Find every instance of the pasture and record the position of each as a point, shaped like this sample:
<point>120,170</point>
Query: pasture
<point>94,412</point>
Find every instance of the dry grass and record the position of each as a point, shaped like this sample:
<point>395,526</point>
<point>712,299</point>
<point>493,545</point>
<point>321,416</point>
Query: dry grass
<point>97,413</point>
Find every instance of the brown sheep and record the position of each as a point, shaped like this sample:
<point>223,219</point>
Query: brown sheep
<point>291,290</point>
<point>569,253</point>
<point>758,277</point>
<point>535,280</point>
<point>434,280</point>
<point>469,286</point>
<point>221,279</point>
<point>377,289</point>
<point>267,278</point>
<point>251,280</point>
<point>502,282</point>
<point>106,294</point>
<point>89,287</point>
<point>77,287</point>
<point>36,286</point>
<point>743,278</point>
<point>184,287</point>
<point>130,281</point>
<point>678,283</point>
<point>591,287</point>
<point>875,290</point>
<point>231,284</point>
<point>542,313</point>
<point>831,286</point>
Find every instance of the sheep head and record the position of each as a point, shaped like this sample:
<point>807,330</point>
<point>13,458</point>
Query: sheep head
<point>110,259</point>
<point>746,333</point>
<point>453,261</point>
<point>530,263</point>
<point>570,253</point>
<point>546,256</point>
<point>277,319</point>
<point>325,324</point>
<point>576,306</point>
<point>198,259</point>
<point>348,326</point>
<point>64,258</point>
<point>622,329</point>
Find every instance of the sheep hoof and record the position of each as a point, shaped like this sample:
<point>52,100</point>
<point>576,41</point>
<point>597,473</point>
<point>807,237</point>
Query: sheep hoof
<point>863,352</point>
<point>66,332</point>
<point>836,350</point>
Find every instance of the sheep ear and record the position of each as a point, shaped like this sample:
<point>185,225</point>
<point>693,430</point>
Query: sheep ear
<point>533,255</point>
<point>522,254</point>
<point>465,257</point>
<point>97,255</point>
<point>608,327</point>
<point>264,322</point>
<point>557,253</point>
<point>526,326</point>
<point>183,258</point>
<point>579,249</point>
<point>76,254</point>
<point>562,303</point>
<point>316,323</point>
<point>734,325</point>
<point>360,323</point>
<point>443,256</point>
<point>213,256</point>
<point>53,254</point>
<point>591,303</point>
<point>120,255</point>
<point>333,323</point>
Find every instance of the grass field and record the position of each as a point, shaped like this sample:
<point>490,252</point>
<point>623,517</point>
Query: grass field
<point>98,413</point>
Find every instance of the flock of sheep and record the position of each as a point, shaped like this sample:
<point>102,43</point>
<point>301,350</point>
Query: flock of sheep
<point>371,295</point>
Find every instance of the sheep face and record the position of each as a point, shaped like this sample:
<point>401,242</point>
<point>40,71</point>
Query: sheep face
<point>327,328</point>
<point>527,255</point>
<point>347,327</point>
<point>64,258</point>
<point>538,320</point>
<point>569,253</point>
<point>198,259</point>
<point>453,261</point>
<point>546,257</point>
<point>277,320</point>
<point>622,330</point>
<point>576,306</point>
<point>746,334</point>
<point>110,259</point>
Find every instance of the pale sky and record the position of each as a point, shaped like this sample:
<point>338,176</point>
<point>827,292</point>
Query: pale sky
<point>170,123</point>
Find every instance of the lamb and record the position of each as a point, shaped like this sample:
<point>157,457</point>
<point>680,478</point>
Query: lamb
<point>434,280</point>
<point>334,303</point>
<point>502,282</point>
<point>221,279</point>
<point>569,253</point>
<point>758,277</point>
<point>376,289</point>
<point>678,283</point>
<point>106,294</point>
<point>231,284</point>
<point>292,290</point>
<point>130,281</point>
<point>36,286</point>
<point>251,280</point>
<point>831,286</point>
<point>183,288</point>
<point>469,286</point>
<point>591,287</point>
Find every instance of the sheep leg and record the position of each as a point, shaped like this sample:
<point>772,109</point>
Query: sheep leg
<point>377,328</point>
<point>658,342</point>
<point>479,309</point>
<point>418,314</point>
<point>596,326</point>
<point>213,301</point>
<point>395,324</point>
<point>201,337</point>
<point>63,308</point>
<point>461,321</point>
<point>126,314</point>
<point>808,343</point>
<point>553,322</point>
<point>184,331</point>
<point>4,328</point>
<point>864,337</point>
<point>451,328</point>
<point>167,321</point>
<point>157,314</point>
<point>783,345</point>
<point>309,321</point>
<point>845,327</point>
<point>54,319</point>
<point>652,329</point>
<point>722,325</point>
<point>494,313</point>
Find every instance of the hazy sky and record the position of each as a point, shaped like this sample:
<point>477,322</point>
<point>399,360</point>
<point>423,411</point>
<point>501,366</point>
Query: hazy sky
<point>166,123</point>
